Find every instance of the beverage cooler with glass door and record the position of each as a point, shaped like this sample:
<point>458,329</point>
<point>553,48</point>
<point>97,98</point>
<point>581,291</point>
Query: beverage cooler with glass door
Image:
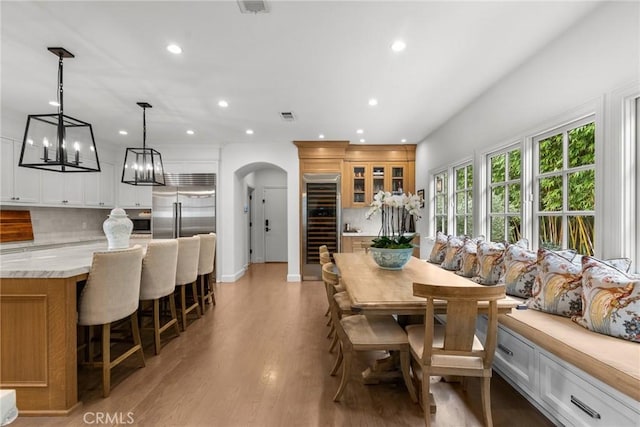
<point>321,220</point>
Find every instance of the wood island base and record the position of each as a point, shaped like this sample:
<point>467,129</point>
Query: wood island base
<point>38,343</point>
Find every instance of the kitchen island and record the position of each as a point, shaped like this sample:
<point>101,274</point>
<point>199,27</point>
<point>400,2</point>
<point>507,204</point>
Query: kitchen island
<point>38,325</point>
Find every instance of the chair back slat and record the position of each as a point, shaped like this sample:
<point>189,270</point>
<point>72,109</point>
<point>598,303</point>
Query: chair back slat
<point>461,324</point>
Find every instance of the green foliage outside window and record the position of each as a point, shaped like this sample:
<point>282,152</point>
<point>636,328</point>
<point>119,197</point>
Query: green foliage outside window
<point>505,203</point>
<point>577,173</point>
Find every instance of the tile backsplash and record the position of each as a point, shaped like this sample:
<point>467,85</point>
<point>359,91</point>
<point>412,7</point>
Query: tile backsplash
<point>356,218</point>
<point>55,225</point>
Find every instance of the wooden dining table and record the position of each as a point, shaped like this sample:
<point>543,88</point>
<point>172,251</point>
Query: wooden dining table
<point>373,290</point>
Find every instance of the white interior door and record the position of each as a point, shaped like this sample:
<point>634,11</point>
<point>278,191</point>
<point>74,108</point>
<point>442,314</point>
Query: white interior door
<point>275,224</point>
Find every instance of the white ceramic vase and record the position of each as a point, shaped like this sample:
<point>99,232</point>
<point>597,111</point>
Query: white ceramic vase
<point>117,227</point>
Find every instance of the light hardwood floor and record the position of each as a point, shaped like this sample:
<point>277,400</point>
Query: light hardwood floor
<point>259,358</point>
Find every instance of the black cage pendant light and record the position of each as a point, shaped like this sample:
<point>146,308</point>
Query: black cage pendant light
<point>56,142</point>
<point>143,166</point>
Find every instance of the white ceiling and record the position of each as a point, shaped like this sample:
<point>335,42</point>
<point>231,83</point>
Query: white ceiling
<point>321,60</point>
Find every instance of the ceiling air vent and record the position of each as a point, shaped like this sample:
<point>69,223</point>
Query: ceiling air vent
<point>287,116</point>
<point>252,6</point>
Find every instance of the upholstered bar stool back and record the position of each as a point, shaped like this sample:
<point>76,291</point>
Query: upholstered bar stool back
<point>158,281</point>
<point>187,273</point>
<point>112,293</point>
<point>205,268</point>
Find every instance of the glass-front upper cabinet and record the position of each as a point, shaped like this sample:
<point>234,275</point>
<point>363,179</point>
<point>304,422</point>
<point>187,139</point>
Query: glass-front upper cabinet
<point>360,191</point>
<point>397,179</point>
<point>378,174</point>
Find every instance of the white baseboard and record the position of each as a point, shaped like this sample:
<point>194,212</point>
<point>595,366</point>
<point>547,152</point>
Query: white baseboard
<point>294,278</point>
<point>233,277</point>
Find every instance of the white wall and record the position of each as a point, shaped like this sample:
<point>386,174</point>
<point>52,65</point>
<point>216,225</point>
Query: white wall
<point>236,161</point>
<point>585,65</point>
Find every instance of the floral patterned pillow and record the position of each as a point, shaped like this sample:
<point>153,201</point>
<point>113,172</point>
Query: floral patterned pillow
<point>469,259</point>
<point>438,250</point>
<point>557,288</point>
<point>610,300</point>
<point>520,270</point>
<point>453,253</point>
<point>489,256</point>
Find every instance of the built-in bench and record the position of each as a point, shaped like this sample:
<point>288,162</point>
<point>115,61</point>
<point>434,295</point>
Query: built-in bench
<point>575,376</point>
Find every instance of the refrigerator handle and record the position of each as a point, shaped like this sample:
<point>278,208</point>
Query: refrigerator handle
<point>174,223</point>
<point>179,219</point>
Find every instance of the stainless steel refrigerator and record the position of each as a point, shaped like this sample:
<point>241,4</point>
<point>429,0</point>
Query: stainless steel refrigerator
<point>185,206</point>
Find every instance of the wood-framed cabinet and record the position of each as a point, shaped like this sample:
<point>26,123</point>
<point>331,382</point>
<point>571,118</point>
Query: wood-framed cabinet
<point>365,179</point>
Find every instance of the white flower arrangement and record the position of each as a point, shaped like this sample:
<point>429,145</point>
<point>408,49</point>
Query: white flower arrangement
<point>395,209</point>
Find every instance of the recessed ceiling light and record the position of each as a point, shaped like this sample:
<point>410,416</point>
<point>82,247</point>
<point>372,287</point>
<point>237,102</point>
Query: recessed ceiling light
<point>321,136</point>
<point>54,103</point>
<point>175,49</point>
<point>359,131</point>
<point>222,103</point>
<point>249,131</point>
<point>190,132</point>
<point>398,46</point>
<point>362,140</point>
<point>403,140</point>
<point>373,102</point>
<point>123,132</point>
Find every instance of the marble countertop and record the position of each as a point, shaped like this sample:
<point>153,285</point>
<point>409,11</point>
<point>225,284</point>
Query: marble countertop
<point>60,262</point>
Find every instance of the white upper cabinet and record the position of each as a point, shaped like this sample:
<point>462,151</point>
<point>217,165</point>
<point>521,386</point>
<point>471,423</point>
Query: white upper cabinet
<point>134,196</point>
<point>99,187</point>
<point>65,189</point>
<point>18,185</point>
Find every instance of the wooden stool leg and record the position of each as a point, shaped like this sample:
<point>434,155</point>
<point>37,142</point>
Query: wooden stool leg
<point>135,331</point>
<point>334,341</point>
<point>183,306</point>
<point>106,359</point>
<point>156,324</point>
<point>194,289</point>
<point>202,292</point>
<point>212,284</point>
<point>172,308</point>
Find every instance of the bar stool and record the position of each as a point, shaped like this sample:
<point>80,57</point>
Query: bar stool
<point>158,281</point>
<point>112,293</point>
<point>186,274</point>
<point>205,268</point>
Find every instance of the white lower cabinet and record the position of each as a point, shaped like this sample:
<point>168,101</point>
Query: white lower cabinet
<point>577,401</point>
<point>517,358</point>
<point>566,394</point>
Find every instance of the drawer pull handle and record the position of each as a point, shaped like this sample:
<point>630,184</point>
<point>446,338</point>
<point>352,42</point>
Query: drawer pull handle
<point>505,349</point>
<point>585,408</point>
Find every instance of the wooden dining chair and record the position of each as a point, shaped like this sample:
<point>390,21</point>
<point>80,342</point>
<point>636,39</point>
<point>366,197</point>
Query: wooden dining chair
<point>369,333</point>
<point>453,348</point>
<point>338,301</point>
